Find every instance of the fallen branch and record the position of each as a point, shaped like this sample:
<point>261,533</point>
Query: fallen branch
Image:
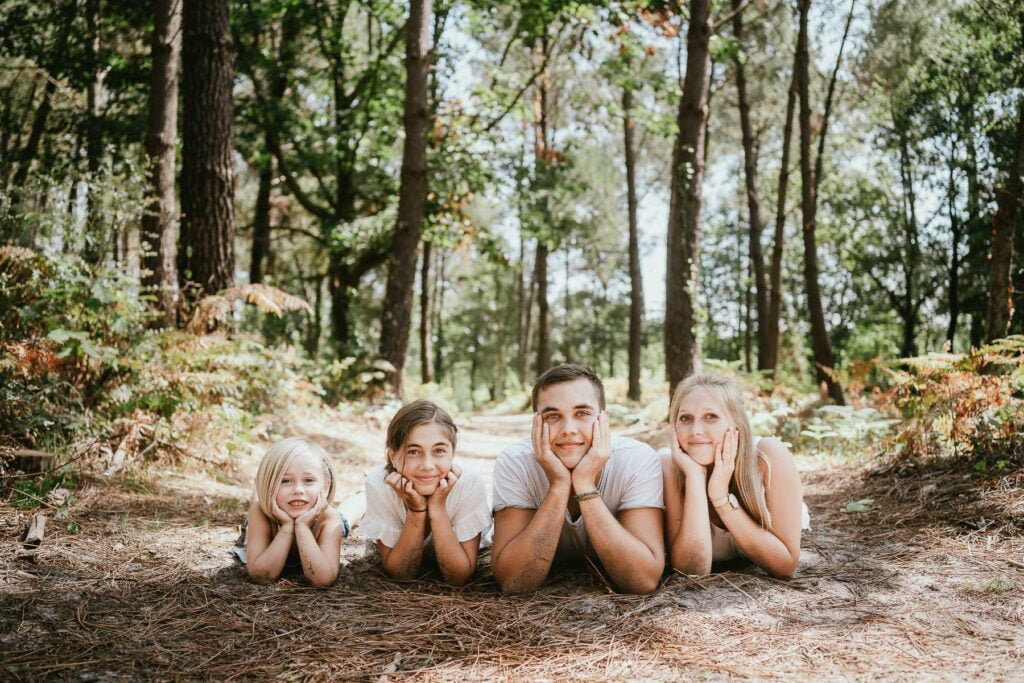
<point>35,533</point>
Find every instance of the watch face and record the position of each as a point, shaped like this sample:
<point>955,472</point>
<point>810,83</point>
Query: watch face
<point>733,501</point>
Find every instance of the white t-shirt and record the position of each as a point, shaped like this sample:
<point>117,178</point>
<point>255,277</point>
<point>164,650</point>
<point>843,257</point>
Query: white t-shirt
<point>385,511</point>
<point>630,479</point>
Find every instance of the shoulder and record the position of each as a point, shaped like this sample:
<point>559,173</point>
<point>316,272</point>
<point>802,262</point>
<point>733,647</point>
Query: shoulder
<point>469,478</point>
<point>519,450</point>
<point>632,452</point>
<point>375,477</point>
<point>329,523</point>
<point>515,456</point>
<point>775,457</point>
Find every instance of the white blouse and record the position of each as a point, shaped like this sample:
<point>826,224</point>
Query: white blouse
<point>467,506</point>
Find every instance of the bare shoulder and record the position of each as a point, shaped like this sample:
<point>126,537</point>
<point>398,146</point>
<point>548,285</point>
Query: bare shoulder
<point>776,451</point>
<point>255,514</point>
<point>330,524</point>
<point>777,463</point>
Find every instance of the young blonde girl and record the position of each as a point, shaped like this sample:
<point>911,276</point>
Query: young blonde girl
<point>291,521</point>
<point>419,501</point>
<point>727,494</point>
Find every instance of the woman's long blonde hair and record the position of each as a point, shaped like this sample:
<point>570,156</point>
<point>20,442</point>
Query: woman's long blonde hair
<point>747,482</point>
<point>274,463</point>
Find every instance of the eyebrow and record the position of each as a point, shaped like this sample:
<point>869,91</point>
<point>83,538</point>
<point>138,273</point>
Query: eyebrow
<point>552,409</point>
<point>439,443</point>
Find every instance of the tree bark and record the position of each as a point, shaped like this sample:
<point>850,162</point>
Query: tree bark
<point>261,221</point>
<point>540,278</point>
<point>682,351</point>
<point>397,311</point>
<point>636,288</point>
<point>956,228</point>
<point>820,343</point>
<point>912,248</point>
<point>1004,223</point>
<point>206,255</point>
<point>426,357</point>
<point>94,245</point>
<point>753,200</point>
<point>159,219</point>
<point>778,245</point>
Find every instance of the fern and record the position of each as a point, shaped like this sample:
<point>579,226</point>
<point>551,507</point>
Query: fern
<point>216,308</point>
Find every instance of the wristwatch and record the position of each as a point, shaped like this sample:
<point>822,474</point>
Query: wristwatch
<point>725,503</point>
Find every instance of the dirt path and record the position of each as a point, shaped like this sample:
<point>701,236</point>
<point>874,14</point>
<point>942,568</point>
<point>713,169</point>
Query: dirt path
<point>146,589</point>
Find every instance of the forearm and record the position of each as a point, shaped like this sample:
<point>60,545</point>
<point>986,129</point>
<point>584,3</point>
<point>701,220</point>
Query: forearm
<point>759,545</point>
<point>456,567</point>
<point>317,567</point>
<point>525,561</point>
<point>690,549</point>
<point>403,561</point>
<point>266,566</point>
<point>632,565</point>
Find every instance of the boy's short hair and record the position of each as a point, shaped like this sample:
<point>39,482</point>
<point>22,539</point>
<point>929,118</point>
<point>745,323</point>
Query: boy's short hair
<point>567,372</point>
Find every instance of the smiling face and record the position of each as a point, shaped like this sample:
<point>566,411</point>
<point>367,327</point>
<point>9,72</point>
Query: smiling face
<point>302,482</point>
<point>701,423</point>
<point>425,457</point>
<point>569,409</point>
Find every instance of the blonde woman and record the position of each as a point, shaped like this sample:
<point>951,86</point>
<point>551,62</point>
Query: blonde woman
<point>291,521</point>
<point>726,493</point>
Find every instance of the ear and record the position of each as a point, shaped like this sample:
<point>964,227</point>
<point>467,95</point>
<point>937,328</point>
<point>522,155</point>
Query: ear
<point>391,458</point>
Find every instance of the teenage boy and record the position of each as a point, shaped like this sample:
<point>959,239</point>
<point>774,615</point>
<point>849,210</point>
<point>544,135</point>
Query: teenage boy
<point>570,490</point>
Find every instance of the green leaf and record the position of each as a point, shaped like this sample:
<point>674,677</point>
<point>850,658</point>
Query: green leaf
<point>863,505</point>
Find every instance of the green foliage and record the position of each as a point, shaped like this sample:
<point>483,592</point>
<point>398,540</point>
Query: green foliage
<point>968,406</point>
<point>352,377</point>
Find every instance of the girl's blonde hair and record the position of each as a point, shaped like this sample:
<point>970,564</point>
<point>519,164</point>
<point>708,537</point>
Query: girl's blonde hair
<point>274,463</point>
<point>413,415</point>
<point>747,482</point>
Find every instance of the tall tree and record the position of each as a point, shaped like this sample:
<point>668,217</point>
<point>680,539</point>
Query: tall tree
<point>778,244</point>
<point>159,222</point>
<point>426,358</point>
<point>810,179</point>
<point>753,200</point>
<point>1004,224</point>
<point>682,351</point>
<point>543,160</point>
<point>636,290</point>
<point>397,310</point>
<point>206,253</point>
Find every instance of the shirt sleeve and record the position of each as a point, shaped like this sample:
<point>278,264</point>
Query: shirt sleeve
<point>472,514</point>
<point>511,486</point>
<point>381,521</point>
<point>645,484</point>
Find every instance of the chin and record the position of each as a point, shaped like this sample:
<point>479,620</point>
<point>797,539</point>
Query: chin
<point>703,457</point>
<point>570,461</point>
<point>424,489</point>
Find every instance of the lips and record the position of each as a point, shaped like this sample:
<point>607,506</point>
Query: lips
<point>298,503</point>
<point>569,444</point>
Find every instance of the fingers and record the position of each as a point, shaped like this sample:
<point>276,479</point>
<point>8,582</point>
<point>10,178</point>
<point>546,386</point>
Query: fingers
<point>546,438</point>
<point>456,469</point>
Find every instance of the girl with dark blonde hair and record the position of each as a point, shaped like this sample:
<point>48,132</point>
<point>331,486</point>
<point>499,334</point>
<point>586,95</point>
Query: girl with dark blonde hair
<point>727,493</point>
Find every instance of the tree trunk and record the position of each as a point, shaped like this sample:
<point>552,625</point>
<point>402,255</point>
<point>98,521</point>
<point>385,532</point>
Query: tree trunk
<point>956,228</point>
<point>261,228</point>
<point>912,256</point>
<point>159,219</point>
<point>636,289</point>
<point>753,201</point>
<point>820,343</point>
<point>439,316</point>
<point>412,198</point>
<point>1004,224</point>
<point>540,278</point>
<point>778,245</point>
<point>206,256</point>
<point>425,352</point>
<point>94,243</point>
<point>682,351</point>
<point>261,221</point>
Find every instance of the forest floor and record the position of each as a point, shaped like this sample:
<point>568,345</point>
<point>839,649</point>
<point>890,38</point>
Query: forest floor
<point>925,582</point>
